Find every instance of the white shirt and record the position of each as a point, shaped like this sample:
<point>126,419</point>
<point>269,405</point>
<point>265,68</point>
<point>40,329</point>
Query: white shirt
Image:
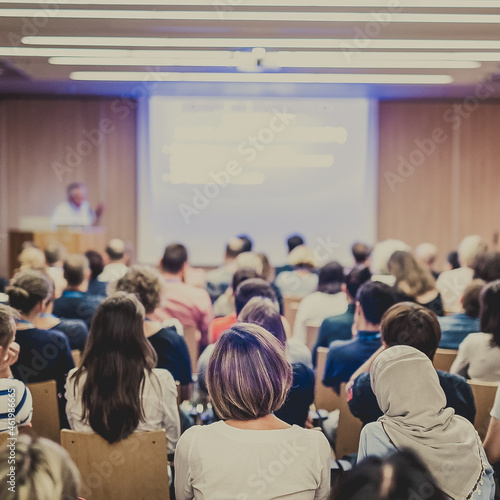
<point>113,272</point>
<point>159,400</point>
<point>220,462</point>
<point>316,307</point>
<point>67,214</point>
<point>451,285</point>
<point>15,398</point>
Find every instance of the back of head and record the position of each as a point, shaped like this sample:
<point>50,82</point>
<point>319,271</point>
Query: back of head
<point>54,253</point>
<point>250,259</point>
<point>27,289</point>
<point>452,259</point>
<point>375,298</point>
<point>96,263</point>
<point>303,257</point>
<point>76,269</point>
<point>145,282</point>
<point>263,312</point>
<point>247,242</point>
<point>331,277</point>
<point>411,324</point>
<point>248,375</point>
<point>43,471</point>
<point>469,248</point>
<point>470,300</point>
<point>382,252</point>
<point>487,266</point>
<point>400,476</point>
<point>234,248</point>
<point>411,277</point>
<point>426,253</point>
<point>7,328</point>
<point>489,314</point>
<point>242,274</point>
<point>294,241</point>
<point>360,252</point>
<point>31,258</point>
<point>115,249</point>
<point>254,287</point>
<point>174,258</point>
<point>355,279</point>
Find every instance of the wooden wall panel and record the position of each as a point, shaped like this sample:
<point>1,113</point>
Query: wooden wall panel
<point>46,143</point>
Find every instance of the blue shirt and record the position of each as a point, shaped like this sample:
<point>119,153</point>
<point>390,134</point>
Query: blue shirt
<point>455,328</point>
<point>76,305</point>
<point>345,357</point>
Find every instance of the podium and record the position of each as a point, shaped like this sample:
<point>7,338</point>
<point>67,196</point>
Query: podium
<point>74,240</point>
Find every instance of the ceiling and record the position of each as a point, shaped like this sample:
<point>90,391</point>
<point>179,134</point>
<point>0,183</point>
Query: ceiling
<point>384,49</point>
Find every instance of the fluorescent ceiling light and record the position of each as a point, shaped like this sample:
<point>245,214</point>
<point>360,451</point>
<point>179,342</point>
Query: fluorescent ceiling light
<point>289,62</point>
<point>150,77</point>
<point>233,15</point>
<point>301,43</point>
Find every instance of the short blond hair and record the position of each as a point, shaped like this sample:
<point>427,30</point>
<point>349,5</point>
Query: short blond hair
<point>248,374</point>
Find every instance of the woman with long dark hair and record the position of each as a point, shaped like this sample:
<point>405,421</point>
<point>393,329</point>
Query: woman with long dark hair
<point>117,390</point>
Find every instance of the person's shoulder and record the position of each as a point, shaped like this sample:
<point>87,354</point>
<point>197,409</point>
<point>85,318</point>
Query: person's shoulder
<point>339,346</point>
<point>163,375</point>
<point>12,383</point>
<point>362,381</point>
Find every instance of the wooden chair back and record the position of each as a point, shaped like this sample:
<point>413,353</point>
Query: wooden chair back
<point>3,438</point>
<point>325,398</point>
<point>348,430</point>
<point>77,356</point>
<point>443,359</point>
<point>45,421</point>
<point>484,396</point>
<point>312,330</point>
<point>290,306</point>
<point>133,468</point>
<point>192,337</point>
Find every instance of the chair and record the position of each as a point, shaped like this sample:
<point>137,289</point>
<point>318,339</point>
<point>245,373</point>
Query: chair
<point>192,337</point>
<point>45,421</point>
<point>312,330</point>
<point>443,359</point>
<point>77,355</point>
<point>3,438</point>
<point>290,306</point>
<point>484,396</point>
<point>348,430</point>
<point>131,469</point>
<point>325,398</point>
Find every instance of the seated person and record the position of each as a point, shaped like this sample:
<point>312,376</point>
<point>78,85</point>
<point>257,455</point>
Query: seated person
<point>117,390</point>
<point>339,327</point>
<point>492,440</point>
<point>114,258</point>
<point>479,354</point>
<point>426,255</point>
<point>75,302</point>
<point>187,303</point>
<point>327,300</point>
<point>415,418</point>
<point>248,380</point>
<point>170,347</point>
<point>361,253</point>
<point>346,356</point>
<point>54,257</point>
<point>96,263</point>
<point>15,397</point>
<point>487,266</point>
<point>292,242</point>
<point>457,326</point>
<point>411,324</point>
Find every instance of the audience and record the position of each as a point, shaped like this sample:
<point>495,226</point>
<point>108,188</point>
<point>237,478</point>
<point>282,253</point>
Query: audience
<point>457,326</point>
<point>492,440</point>
<point>15,397</point>
<point>327,300</point>
<point>361,253</point>
<point>247,242</point>
<point>451,284</point>
<point>114,258</point>
<point>170,347</point>
<point>380,256</point>
<point>292,242</point>
<point>54,258</point>
<point>487,266</point>
<point>426,255</point>
<point>346,356</point>
<point>263,312</point>
<point>409,324</point>
<point>339,327</point>
<point>43,471</point>
<point>75,302</point>
<point>117,390</point>
<point>189,304</point>
<point>31,258</point>
<point>479,354</point>
<point>96,264</point>
<point>452,261</point>
<point>413,282</point>
<point>408,392</point>
<point>251,453</point>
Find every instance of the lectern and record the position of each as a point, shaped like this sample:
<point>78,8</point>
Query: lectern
<point>74,240</point>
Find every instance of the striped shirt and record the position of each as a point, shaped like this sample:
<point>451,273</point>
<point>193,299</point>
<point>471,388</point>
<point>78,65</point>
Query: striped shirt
<point>15,398</point>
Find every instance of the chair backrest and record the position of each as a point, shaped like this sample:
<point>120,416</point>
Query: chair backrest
<point>484,396</point>
<point>133,468</point>
<point>312,330</point>
<point>443,359</point>
<point>192,337</point>
<point>290,306</point>
<point>77,356</point>
<point>3,438</point>
<point>45,420</point>
<point>348,430</point>
<point>325,398</point>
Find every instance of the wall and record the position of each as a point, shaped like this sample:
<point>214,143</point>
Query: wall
<point>46,143</point>
<point>439,172</point>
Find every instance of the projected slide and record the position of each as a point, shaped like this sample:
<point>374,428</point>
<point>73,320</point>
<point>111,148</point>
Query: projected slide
<point>264,167</point>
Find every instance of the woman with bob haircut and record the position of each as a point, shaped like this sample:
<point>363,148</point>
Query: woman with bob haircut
<point>116,390</point>
<point>250,453</point>
<point>478,355</point>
